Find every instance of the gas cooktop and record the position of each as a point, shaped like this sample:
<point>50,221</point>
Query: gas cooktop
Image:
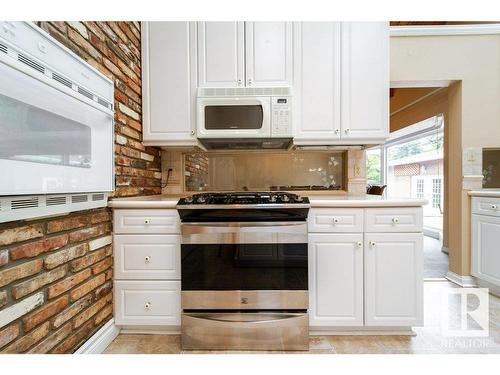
<point>244,198</point>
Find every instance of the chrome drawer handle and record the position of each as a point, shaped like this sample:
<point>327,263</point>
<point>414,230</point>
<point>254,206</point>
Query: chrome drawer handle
<point>336,221</point>
<point>147,259</point>
<point>395,220</point>
<point>359,243</point>
<point>146,221</point>
<point>147,305</point>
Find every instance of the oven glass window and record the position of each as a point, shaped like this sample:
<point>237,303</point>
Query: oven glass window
<point>31,134</point>
<point>223,117</point>
<point>244,266</point>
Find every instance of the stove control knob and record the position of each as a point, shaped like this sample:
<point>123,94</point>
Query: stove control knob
<point>299,199</point>
<point>273,198</point>
<point>201,199</point>
<point>285,198</point>
<point>189,200</point>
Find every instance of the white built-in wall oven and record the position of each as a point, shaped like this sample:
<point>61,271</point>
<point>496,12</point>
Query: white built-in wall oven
<point>244,117</point>
<point>56,120</point>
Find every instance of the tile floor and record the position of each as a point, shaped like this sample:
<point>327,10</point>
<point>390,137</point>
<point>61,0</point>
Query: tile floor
<point>435,261</point>
<point>429,339</point>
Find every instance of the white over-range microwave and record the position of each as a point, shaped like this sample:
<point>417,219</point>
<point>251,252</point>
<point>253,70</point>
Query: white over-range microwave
<point>56,126</point>
<point>244,117</point>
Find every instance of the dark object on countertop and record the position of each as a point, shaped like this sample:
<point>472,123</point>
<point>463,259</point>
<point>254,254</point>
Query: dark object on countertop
<point>304,187</point>
<point>375,189</point>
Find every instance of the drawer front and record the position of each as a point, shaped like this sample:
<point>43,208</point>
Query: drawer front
<point>404,219</point>
<point>147,302</point>
<point>486,206</point>
<point>335,220</point>
<point>150,256</point>
<point>153,221</point>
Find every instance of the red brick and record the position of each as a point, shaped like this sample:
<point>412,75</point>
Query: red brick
<point>28,340</point>
<point>84,262</point>
<point>44,313</point>
<point>4,257</point>
<point>34,249</point>
<point>71,311</point>
<point>103,290</point>
<point>55,338</point>
<point>20,271</point>
<point>35,283</point>
<point>102,266</point>
<point>103,314</point>
<point>65,255</point>
<point>19,234</point>
<point>8,334</point>
<point>67,223</point>
<point>87,287</point>
<point>86,233</point>
<point>68,283</point>
<point>89,313</point>
<point>99,217</point>
<point>74,340</point>
<point>3,298</point>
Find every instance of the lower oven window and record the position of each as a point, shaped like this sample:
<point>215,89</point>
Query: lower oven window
<point>244,266</point>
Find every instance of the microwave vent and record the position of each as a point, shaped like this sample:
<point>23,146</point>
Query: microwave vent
<point>62,80</point>
<point>244,91</point>
<point>3,48</point>
<point>79,198</point>
<point>85,93</point>
<point>55,201</point>
<point>17,204</point>
<point>31,63</point>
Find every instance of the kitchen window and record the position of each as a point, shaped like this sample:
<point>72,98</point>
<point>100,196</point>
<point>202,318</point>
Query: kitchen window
<point>436,192</point>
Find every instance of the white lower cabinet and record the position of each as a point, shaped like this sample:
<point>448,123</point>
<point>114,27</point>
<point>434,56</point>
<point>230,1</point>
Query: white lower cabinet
<point>486,247</point>
<point>373,278</point>
<point>147,302</point>
<point>147,267</point>
<point>335,279</point>
<point>393,279</point>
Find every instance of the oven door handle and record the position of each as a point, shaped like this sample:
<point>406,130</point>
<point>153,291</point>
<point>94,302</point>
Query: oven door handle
<point>242,227</point>
<point>242,318</point>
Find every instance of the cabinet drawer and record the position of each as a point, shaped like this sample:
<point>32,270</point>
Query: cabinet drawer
<point>147,256</point>
<point>146,221</point>
<point>335,220</point>
<point>486,206</point>
<point>147,302</point>
<point>404,219</point>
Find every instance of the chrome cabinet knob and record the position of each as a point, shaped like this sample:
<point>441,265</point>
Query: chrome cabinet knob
<point>146,221</point>
<point>337,131</point>
<point>359,243</point>
<point>147,305</point>
<point>494,206</point>
<point>147,259</point>
<point>249,82</point>
<point>347,131</point>
<point>395,220</point>
<point>240,82</point>
<point>192,132</point>
<point>336,221</point>
<point>372,244</point>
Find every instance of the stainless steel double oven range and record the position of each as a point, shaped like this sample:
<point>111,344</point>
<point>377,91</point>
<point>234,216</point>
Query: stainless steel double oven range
<point>244,271</point>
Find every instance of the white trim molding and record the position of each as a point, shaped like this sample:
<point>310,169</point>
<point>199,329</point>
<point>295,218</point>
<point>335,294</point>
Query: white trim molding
<point>100,340</point>
<point>440,30</point>
<point>463,281</point>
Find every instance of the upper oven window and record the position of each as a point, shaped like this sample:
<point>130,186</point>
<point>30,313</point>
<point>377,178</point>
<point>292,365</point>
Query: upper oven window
<point>223,117</point>
<point>31,134</point>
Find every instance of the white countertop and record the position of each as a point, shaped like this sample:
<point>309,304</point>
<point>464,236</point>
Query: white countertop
<point>493,193</point>
<point>170,201</point>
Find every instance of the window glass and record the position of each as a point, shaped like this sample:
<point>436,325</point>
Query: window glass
<point>374,166</point>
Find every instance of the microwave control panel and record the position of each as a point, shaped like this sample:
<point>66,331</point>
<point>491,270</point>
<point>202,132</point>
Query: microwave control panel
<point>281,110</point>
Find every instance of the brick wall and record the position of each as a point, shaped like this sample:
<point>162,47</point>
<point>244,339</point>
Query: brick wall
<point>196,172</point>
<point>56,274</point>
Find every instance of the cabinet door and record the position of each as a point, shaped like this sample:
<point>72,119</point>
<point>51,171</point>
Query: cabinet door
<point>394,279</point>
<point>485,248</point>
<point>335,280</point>
<point>365,81</point>
<point>268,53</point>
<point>317,81</point>
<point>221,54</point>
<point>169,82</point>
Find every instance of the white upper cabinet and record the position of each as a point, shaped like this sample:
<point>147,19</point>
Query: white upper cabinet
<point>169,83</point>
<point>365,81</point>
<point>341,83</point>
<point>221,54</point>
<point>317,81</point>
<point>268,53</point>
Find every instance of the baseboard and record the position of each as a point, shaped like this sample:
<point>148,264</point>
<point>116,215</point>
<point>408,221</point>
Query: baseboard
<point>363,331</point>
<point>151,330</point>
<point>493,289</point>
<point>463,281</point>
<point>100,340</point>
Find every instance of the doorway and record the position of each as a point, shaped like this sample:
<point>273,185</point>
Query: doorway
<point>411,164</point>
